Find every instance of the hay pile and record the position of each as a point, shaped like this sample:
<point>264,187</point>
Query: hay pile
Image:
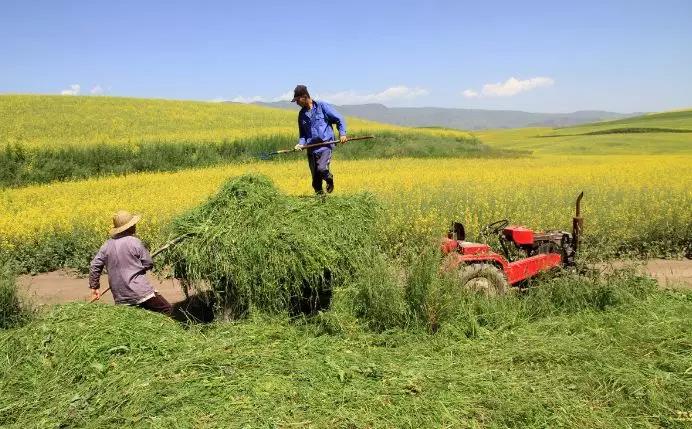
<point>257,248</point>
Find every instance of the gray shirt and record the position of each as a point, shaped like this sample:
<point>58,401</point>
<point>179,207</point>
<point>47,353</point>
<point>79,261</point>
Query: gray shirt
<point>127,261</point>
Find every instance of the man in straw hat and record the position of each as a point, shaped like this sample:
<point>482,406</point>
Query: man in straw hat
<point>315,121</point>
<point>127,261</point>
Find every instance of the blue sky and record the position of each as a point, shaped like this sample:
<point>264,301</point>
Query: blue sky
<point>548,56</point>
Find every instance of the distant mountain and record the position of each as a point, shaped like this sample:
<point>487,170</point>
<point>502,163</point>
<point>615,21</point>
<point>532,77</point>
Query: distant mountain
<point>467,119</point>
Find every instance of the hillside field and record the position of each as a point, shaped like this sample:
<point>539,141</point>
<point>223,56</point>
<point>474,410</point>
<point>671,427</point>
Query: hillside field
<point>660,133</point>
<point>51,138</point>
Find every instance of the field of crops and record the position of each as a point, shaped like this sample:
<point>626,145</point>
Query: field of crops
<point>636,190</point>
<point>637,206</point>
<point>45,139</point>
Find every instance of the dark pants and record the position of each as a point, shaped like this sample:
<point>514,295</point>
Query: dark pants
<point>158,304</point>
<point>319,168</point>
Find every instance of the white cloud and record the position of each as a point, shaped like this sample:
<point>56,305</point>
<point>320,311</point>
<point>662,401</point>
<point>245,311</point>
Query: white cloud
<point>510,87</point>
<point>241,99</point>
<point>218,100</point>
<point>394,93</point>
<point>74,90</point>
<point>97,90</point>
<point>286,96</point>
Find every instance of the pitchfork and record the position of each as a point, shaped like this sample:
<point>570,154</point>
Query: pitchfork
<point>269,155</point>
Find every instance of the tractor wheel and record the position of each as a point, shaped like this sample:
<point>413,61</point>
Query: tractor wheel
<point>485,279</point>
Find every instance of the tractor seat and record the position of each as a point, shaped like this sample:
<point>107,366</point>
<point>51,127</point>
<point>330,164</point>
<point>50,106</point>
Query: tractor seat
<point>468,248</point>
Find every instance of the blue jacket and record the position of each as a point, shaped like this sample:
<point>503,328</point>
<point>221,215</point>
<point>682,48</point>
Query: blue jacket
<point>316,125</point>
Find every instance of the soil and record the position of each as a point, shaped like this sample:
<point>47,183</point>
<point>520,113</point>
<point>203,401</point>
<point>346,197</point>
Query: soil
<point>61,287</point>
<point>670,273</point>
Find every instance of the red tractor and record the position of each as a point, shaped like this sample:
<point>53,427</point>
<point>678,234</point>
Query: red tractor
<point>489,272</point>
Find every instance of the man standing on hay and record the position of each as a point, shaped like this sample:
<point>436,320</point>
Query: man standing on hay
<point>315,121</point>
<point>127,261</point>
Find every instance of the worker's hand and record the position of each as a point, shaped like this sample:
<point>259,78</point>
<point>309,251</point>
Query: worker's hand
<point>95,294</point>
<point>343,139</point>
<point>298,147</point>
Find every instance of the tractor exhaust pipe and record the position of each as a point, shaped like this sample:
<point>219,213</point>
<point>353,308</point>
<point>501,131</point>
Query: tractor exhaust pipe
<point>577,223</point>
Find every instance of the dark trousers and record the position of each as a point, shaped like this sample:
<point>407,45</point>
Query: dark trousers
<point>158,304</point>
<point>319,168</point>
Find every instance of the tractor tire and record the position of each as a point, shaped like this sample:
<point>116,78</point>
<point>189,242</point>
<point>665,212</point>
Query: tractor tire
<point>485,279</point>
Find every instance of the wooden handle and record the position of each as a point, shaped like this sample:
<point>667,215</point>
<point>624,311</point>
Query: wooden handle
<point>337,141</point>
<point>99,297</point>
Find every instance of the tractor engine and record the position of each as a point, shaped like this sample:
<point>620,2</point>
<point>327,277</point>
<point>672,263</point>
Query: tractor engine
<point>534,243</point>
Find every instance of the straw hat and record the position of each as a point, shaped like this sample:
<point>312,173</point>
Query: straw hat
<point>122,221</point>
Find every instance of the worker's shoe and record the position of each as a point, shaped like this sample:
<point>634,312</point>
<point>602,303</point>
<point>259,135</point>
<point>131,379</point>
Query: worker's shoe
<point>330,186</point>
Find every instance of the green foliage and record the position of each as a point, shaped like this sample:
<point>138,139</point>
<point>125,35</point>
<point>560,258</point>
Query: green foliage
<point>660,133</point>
<point>72,250</point>
<point>13,312</point>
<point>258,248</point>
<point>376,297</point>
<point>106,366</point>
<point>402,145</point>
<point>630,130</point>
<point>20,166</point>
<point>411,291</point>
<point>679,120</point>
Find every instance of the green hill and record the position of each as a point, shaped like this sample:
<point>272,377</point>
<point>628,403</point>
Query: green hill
<point>659,133</point>
<point>680,120</point>
<point>47,138</point>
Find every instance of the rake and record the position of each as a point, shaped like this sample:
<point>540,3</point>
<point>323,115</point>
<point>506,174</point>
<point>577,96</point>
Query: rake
<point>269,155</point>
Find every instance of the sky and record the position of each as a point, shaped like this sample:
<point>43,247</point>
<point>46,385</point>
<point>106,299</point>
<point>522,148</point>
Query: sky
<point>541,56</point>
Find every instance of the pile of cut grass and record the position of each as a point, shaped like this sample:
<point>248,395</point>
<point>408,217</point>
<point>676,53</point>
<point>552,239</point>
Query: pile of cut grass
<point>257,248</point>
<point>572,363</point>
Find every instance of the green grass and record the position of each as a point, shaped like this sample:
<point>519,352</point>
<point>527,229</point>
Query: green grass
<point>20,166</point>
<point>631,130</point>
<point>567,363</point>
<point>661,133</point>
<point>678,120</point>
<point>13,311</point>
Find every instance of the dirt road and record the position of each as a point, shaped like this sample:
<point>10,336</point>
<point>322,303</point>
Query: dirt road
<point>60,287</point>
<point>677,274</point>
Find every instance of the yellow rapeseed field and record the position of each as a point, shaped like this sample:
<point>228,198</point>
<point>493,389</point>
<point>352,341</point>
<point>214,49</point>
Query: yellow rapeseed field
<point>628,198</point>
<point>48,122</point>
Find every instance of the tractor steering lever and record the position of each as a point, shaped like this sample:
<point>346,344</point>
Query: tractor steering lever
<point>495,227</point>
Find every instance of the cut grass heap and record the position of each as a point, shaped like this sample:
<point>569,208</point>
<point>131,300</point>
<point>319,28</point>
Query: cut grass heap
<point>256,248</point>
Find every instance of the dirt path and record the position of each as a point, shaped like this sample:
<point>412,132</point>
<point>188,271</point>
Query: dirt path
<point>676,274</point>
<point>60,287</point>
